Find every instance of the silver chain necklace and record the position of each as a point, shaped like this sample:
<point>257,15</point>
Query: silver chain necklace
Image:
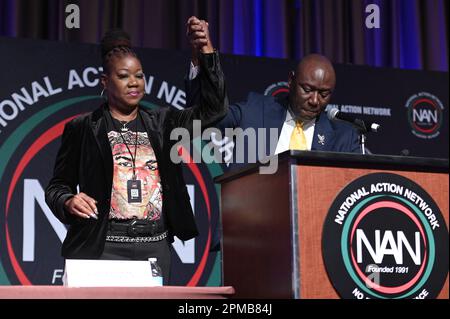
<point>124,127</point>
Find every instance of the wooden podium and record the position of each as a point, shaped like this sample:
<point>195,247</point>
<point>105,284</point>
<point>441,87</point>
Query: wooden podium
<point>272,224</point>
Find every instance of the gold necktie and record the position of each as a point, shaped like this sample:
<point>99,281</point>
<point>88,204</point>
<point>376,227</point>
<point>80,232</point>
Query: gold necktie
<point>298,139</point>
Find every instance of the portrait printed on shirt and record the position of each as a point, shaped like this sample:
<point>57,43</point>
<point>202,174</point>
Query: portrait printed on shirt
<point>146,169</point>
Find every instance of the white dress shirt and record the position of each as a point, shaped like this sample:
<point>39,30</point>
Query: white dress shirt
<point>286,132</point>
<point>193,71</point>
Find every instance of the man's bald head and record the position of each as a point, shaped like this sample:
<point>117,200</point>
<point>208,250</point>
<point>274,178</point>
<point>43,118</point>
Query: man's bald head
<point>316,62</point>
<point>311,86</point>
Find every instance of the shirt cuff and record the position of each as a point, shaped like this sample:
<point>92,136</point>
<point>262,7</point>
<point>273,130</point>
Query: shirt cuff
<point>193,71</point>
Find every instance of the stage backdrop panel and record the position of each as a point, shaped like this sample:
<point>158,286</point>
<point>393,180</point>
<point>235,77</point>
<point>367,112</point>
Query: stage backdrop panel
<point>45,84</point>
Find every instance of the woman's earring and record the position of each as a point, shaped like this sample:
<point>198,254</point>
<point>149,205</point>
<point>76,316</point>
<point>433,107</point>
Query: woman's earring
<point>101,94</point>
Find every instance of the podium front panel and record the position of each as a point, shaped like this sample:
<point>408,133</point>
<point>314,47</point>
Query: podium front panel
<point>256,245</point>
<point>317,187</point>
<point>273,224</point>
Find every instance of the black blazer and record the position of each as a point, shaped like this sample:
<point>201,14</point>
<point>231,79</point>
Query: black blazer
<point>85,159</point>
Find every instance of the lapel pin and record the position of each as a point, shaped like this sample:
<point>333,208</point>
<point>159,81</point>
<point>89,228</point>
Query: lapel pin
<point>321,139</point>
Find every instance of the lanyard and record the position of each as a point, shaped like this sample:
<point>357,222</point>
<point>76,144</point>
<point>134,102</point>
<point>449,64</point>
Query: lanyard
<point>133,158</point>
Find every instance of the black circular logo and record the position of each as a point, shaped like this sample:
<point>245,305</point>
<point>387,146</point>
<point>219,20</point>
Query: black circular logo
<point>277,89</point>
<point>425,115</point>
<point>385,237</point>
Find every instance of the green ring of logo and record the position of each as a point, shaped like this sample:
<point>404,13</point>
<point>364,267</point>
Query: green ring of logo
<point>345,247</point>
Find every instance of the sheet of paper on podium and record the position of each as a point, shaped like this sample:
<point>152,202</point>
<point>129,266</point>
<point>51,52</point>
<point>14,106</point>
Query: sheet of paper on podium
<point>109,273</point>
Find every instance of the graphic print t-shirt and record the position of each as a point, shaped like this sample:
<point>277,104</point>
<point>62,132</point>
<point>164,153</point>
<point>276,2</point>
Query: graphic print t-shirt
<point>146,169</point>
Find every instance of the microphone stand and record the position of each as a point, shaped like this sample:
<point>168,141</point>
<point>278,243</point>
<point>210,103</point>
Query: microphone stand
<point>362,141</point>
<point>362,129</point>
<point>360,125</point>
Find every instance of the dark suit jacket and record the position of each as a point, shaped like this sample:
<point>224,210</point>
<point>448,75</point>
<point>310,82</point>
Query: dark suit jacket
<point>85,159</point>
<point>261,111</point>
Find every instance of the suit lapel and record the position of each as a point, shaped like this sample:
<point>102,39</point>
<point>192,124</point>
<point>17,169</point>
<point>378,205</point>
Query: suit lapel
<point>274,117</point>
<point>153,136</point>
<point>99,128</point>
<point>324,135</point>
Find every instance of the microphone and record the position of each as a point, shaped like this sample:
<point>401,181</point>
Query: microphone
<point>335,115</point>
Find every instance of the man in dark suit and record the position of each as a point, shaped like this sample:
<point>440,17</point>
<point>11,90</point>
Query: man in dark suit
<point>298,121</point>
